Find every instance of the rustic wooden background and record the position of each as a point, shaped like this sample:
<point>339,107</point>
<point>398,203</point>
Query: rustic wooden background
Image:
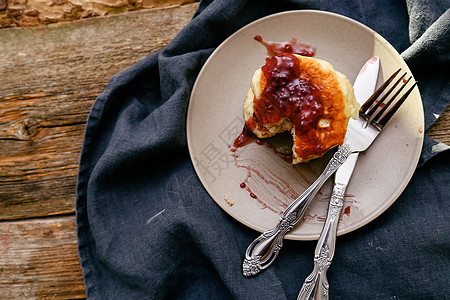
<point>26,13</point>
<point>56,57</point>
<point>49,78</point>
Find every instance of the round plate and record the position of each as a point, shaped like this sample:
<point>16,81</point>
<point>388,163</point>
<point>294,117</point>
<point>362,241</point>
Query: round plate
<point>254,184</point>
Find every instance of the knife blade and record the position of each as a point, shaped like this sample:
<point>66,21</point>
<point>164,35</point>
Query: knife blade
<point>364,86</point>
<point>316,284</point>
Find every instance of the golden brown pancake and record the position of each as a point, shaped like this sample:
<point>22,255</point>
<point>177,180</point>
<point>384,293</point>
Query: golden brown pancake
<point>304,95</point>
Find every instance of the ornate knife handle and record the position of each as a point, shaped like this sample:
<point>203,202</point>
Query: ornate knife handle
<point>263,251</point>
<point>316,284</point>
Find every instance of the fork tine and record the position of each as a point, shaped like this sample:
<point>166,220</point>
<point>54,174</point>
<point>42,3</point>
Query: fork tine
<point>371,112</point>
<point>381,123</point>
<point>377,93</point>
<point>388,104</point>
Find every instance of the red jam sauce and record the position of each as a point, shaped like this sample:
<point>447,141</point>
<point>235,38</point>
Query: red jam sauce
<point>244,138</point>
<point>294,46</point>
<point>347,211</point>
<point>286,95</point>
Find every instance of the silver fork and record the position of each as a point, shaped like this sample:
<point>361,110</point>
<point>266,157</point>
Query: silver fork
<point>373,116</point>
<point>316,284</point>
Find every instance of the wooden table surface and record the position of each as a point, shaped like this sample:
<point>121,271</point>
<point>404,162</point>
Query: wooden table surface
<point>50,76</point>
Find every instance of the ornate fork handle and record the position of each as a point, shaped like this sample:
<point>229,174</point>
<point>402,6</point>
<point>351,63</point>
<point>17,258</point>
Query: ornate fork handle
<point>263,251</point>
<point>316,284</point>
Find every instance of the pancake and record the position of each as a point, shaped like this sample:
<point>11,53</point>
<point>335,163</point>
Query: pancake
<point>305,96</point>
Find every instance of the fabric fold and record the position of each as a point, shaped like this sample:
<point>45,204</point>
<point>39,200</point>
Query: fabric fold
<point>427,48</point>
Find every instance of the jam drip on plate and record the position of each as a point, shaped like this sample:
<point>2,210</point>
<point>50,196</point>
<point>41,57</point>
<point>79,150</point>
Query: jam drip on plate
<point>244,138</point>
<point>294,46</point>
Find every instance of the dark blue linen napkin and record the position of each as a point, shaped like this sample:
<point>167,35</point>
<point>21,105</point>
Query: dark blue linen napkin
<point>147,229</point>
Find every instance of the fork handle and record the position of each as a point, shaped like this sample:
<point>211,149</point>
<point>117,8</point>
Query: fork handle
<point>263,251</point>
<point>316,284</point>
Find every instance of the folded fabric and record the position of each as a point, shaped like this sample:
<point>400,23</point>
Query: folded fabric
<point>429,29</point>
<point>147,229</point>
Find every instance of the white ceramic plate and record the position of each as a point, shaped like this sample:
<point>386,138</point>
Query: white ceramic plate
<point>215,119</point>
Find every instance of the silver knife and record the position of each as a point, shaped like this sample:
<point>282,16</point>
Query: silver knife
<point>316,284</point>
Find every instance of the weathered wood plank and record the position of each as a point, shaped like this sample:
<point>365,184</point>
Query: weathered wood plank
<point>38,259</point>
<point>440,131</point>
<point>50,78</point>
<point>27,13</point>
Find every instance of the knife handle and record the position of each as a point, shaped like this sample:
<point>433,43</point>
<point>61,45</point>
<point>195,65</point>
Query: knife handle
<point>263,251</point>
<point>316,284</point>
